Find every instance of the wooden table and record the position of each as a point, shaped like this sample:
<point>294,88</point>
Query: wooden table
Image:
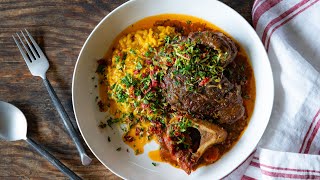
<point>61,27</point>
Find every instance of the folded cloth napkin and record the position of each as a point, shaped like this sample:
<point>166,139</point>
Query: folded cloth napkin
<point>290,146</point>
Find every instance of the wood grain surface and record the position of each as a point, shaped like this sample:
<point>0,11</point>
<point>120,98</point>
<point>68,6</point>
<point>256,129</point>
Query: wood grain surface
<point>60,27</point>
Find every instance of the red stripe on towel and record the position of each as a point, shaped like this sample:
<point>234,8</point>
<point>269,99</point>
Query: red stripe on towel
<point>313,135</point>
<point>284,22</point>
<point>255,164</point>
<point>264,7</point>
<point>280,17</point>
<point>244,177</point>
<point>305,137</point>
<point>285,175</point>
<point>291,176</point>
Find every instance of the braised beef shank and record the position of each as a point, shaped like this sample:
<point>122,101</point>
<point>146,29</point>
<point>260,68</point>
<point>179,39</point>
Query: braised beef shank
<point>219,101</point>
<point>200,136</point>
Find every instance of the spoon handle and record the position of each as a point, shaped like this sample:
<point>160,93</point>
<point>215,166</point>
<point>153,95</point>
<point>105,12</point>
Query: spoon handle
<point>85,159</point>
<point>64,169</point>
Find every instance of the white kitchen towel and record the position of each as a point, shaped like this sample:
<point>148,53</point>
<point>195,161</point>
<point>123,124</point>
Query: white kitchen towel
<point>290,146</point>
<point>267,164</point>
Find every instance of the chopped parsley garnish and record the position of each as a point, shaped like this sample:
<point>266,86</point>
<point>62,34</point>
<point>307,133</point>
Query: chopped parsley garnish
<point>137,92</point>
<point>101,68</point>
<point>136,104</point>
<point>112,121</point>
<point>102,125</point>
<point>128,80</point>
<point>246,96</point>
<point>117,58</point>
<point>132,51</point>
<point>121,96</point>
<point>184,123</point>
<point>201,63</point>
<point>147,54</point>
<point>124,57</point>
<point>243,67</point>
<point>145,101</point>
<point>151,49</point>
<point>137,151</point>
<point>113,86</point>
<point>167,39</point>
<point>154,164</point>
<point>139,66</point>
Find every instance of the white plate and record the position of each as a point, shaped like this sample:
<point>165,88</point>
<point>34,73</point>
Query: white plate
<point>127,165</point>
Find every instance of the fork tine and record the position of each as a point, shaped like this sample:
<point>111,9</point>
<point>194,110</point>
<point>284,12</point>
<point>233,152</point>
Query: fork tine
<point>35,44</point>
<point>25,57</point>
<point>35,55</point>
<point>31,57</point>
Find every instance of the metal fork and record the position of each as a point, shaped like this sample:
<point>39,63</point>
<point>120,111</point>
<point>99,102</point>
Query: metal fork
<point>38,66</point>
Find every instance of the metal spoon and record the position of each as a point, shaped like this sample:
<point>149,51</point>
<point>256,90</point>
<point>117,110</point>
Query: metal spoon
<point>13,127</point>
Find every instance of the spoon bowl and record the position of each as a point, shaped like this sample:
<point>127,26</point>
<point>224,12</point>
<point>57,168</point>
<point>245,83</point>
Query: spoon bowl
<point>13,123</point>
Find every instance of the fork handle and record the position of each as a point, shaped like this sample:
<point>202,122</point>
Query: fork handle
<point>85,159</point>
<point>54,161</point>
